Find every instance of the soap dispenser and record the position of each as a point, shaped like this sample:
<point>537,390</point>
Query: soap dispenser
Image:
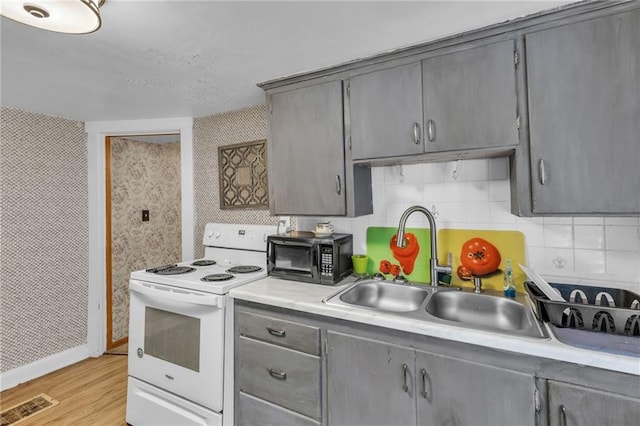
<point>509,287</point>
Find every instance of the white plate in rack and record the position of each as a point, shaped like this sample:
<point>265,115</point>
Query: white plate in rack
<point>543,285</point>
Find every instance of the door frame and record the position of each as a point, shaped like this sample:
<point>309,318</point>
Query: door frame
<point>97,131</point>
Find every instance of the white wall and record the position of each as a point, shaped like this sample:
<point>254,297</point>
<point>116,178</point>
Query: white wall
<point>479,198</point>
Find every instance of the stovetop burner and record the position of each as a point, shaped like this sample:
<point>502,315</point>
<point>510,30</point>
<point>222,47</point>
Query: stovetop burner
<point>244,269</point>
<point>172,269</point>
<point>203,262</point>
<point>217,277</point>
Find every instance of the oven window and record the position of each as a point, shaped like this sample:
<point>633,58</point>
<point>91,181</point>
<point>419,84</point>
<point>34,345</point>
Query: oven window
<point>172,337</point>
<point>293,258</point>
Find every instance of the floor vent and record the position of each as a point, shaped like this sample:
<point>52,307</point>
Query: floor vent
<point>26,409</point>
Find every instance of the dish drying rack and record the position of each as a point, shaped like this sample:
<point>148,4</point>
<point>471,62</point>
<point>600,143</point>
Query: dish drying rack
<point>590,308</point>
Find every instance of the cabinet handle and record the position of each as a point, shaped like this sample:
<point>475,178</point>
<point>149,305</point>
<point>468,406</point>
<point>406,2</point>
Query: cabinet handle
<point>431,130</point>
<point>338,185</point>
<point>280,375</point>
<point>423,375</point>
<point>404,378</point>
<point>416,133</point>
<point>277,333</point>
<point>543,172</point>
<point>563,416</point>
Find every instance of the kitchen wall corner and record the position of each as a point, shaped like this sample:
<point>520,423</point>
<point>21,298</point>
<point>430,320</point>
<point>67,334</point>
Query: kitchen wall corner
<point>209,133</point>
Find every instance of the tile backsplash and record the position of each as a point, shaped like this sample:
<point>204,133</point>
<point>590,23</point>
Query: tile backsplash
<point>475,194</point>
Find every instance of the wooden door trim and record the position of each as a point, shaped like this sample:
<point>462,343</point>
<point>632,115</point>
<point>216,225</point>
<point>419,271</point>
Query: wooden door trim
<point>108,261</point>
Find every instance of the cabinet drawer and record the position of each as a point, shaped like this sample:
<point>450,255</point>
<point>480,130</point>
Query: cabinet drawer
<point>279,375</point>
<point>254,411</point>
<point>283,333</point>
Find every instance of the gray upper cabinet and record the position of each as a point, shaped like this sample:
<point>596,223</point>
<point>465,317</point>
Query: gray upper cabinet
<point>584,116</point>
<point>470,98</point>
<point>306,151</point>
<point>454,392</point>
<point>386,112</point>
<point>571,405</point>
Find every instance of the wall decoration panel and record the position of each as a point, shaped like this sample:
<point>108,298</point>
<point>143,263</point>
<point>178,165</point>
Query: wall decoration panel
<point>210,133</point>
<point>243,176</point>
<point>43,236</point>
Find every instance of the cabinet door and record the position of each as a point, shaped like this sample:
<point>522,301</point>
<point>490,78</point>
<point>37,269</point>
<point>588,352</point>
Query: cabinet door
<point>584,115</point>
<point>369,382</point>
<point>571,405</point>
<point>470,99</point>
<point>455,392</point>
<point>306,151</point>
<point>386,112</point>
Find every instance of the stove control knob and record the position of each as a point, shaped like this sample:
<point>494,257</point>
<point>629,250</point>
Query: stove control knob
<point>218,234</point>
<point>140,352</point>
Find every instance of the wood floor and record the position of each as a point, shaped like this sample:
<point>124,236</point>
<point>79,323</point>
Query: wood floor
<point>91,392</point>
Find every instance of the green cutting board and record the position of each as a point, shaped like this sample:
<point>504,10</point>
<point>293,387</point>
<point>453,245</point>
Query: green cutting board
<point>378,239</point>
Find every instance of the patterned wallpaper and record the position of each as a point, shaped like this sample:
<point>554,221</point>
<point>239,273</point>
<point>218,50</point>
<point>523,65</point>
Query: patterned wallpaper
<point>43,235</point>
<point>144,176</point>
<point>244,125</point>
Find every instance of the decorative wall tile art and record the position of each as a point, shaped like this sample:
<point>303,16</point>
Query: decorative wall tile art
<point>243,175</point>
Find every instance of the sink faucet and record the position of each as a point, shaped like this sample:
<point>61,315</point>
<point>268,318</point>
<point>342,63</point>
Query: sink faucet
<point>433,261</point>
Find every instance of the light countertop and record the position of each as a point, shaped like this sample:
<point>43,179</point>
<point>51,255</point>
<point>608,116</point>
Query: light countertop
<point>305,297</point>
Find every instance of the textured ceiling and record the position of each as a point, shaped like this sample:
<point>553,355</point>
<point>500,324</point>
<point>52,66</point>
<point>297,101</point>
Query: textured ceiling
<point>159,59</point>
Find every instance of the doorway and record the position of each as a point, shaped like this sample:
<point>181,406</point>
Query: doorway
<point>142,217</point>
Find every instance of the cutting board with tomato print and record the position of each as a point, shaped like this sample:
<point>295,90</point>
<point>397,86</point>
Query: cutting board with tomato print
<point>379,249</point>
<point>469,243</point>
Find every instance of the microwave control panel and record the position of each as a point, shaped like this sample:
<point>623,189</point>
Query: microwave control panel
<point>326,261</point>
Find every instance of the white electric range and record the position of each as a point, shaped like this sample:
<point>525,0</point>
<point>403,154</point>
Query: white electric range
<point>181,332</point>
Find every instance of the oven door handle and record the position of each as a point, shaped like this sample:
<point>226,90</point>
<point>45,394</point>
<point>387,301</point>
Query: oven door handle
<point>177,295</point>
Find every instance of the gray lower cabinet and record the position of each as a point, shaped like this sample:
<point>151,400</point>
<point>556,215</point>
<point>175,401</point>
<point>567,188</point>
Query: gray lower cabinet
<point>386,112</point>
<point>456,392</point>
<point>377,383</point>
<point>369,382</point>
<point>470,99</point>
<point>278,372</point>
<point>584,116</point>
<point>571,405</point>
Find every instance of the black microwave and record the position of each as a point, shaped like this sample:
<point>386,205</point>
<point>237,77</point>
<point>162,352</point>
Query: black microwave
<point>302,256</point>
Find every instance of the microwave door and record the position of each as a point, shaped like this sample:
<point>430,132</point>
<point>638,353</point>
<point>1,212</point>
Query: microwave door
<point>294,258</point>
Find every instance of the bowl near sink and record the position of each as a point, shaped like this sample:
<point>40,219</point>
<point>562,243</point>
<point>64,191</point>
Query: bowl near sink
<point>385,296</point>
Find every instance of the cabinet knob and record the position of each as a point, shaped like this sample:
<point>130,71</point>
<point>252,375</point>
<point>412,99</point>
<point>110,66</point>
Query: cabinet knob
<point>542,172</point>
<point>405,388</point>
<point>423,375</point>
<point>431,130</point>
<point>416,133</point>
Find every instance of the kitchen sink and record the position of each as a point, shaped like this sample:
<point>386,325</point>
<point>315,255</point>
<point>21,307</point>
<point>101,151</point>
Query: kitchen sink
<point>443,305</point>
<point>479,310</point>
<point>385,296</point>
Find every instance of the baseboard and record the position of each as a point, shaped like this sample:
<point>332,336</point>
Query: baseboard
<point>43,366</point>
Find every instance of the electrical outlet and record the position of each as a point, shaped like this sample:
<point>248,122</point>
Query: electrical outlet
<point>145,215</point>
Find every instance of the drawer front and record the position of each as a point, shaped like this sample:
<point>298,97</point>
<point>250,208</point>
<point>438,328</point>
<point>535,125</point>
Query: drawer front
<point>280,332</point>
<point>279,375</point>
<point>252,411</point>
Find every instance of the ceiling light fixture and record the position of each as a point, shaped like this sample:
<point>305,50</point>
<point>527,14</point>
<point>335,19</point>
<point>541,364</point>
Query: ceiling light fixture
<point>62,16</point>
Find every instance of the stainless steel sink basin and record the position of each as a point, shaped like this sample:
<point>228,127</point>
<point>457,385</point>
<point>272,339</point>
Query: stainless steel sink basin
<point>443,305</point>
<point>385,296</point>
<point>479,310</point>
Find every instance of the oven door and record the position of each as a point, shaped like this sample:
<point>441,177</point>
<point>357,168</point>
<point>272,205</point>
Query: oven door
<point>176,341</point>
<point>293,259</point>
